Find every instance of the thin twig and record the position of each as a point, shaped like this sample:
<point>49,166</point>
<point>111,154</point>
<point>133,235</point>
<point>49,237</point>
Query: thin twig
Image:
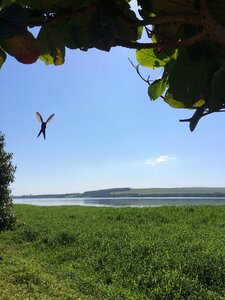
<point>137,69</point>
<point>149,32</point>
<point>185,120</point>
<point>139,46</point>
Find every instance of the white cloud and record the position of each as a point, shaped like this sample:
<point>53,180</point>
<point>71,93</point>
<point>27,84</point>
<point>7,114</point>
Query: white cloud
<point>159,160</point>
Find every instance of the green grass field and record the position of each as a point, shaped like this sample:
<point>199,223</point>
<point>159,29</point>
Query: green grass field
<point>75,252</point>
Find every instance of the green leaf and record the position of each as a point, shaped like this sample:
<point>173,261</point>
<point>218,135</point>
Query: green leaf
<point>146,8</point>
<point>168,68</point>
<point>2,57</point>
<point>199,103</point>
<point>102,28</point>
<point>24,47</point>
<point>218,89</point>
<point>75,32</point>
<point>157,88</point>
<point>39,4</point>
<point>45,54</point>
<point>177,104</point>
<point>74,4</point>
<point>145,4</point>
<point>165,7</point>
<point>188,79</point>
<point>166,54</point>
<point>13,20</point>
<point>126,31</point>
<point>167,31</point>
<point>147,58</point>
<point>172,102</point>
<point>217,8</point>
<point>52,45</point>
<point>171,31</point>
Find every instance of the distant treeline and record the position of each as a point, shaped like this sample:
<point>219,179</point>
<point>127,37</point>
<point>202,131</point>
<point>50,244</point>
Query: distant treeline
<point>168,195</point>
<point>128,192</point>
<point>105,193</point>
<point>98,193</point>
<point>49,196</point>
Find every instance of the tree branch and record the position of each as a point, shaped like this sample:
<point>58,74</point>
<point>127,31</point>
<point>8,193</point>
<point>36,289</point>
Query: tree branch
<point>211,28</point>
<point>205,114</point>
<point>216,32</point>
<point>167,44</point>
<point>60,17</point>
<point>203,35</point>
<point>182,19</point>
<point>55,18</point>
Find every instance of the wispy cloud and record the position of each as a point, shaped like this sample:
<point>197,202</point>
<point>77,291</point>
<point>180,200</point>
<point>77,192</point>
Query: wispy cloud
<point>159,160</point>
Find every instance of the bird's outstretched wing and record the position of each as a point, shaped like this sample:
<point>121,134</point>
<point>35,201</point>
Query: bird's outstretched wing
<point>50,118</point>
<point>39,133</point>
<point>39,117</point>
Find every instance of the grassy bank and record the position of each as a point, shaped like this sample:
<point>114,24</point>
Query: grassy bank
<point>106,253</point>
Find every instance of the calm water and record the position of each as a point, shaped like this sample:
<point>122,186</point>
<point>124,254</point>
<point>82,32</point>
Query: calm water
<point>115,202</point>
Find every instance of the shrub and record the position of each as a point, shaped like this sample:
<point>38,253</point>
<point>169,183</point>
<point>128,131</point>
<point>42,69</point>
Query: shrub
<point>7,170</point>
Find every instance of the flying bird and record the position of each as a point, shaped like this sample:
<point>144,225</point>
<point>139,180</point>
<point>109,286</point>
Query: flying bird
<point>43,124</point>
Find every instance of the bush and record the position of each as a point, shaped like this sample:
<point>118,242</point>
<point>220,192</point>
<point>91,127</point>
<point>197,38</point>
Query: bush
<point>7,170</point>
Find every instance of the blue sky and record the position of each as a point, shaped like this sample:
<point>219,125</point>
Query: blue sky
<point>106,132</point>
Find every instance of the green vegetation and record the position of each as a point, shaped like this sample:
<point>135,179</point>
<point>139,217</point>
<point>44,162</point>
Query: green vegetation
<point>7,170</point>
<point>156,192</point>
<point>107,253</point>
<point>146,192</point>
<point>185,38</point>
<point>174,192</point>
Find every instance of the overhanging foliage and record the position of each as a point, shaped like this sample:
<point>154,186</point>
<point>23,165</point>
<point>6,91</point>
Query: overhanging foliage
<point>185,37</point>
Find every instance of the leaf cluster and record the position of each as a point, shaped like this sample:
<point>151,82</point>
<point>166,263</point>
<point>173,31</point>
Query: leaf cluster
<point>194,73</point>
<point>184,38</point>
<point>72,24</point>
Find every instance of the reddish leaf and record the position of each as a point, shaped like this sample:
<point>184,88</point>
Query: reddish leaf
<point>24,47</point>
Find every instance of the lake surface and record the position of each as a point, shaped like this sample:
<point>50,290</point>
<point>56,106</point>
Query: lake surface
<point>123,201</point>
